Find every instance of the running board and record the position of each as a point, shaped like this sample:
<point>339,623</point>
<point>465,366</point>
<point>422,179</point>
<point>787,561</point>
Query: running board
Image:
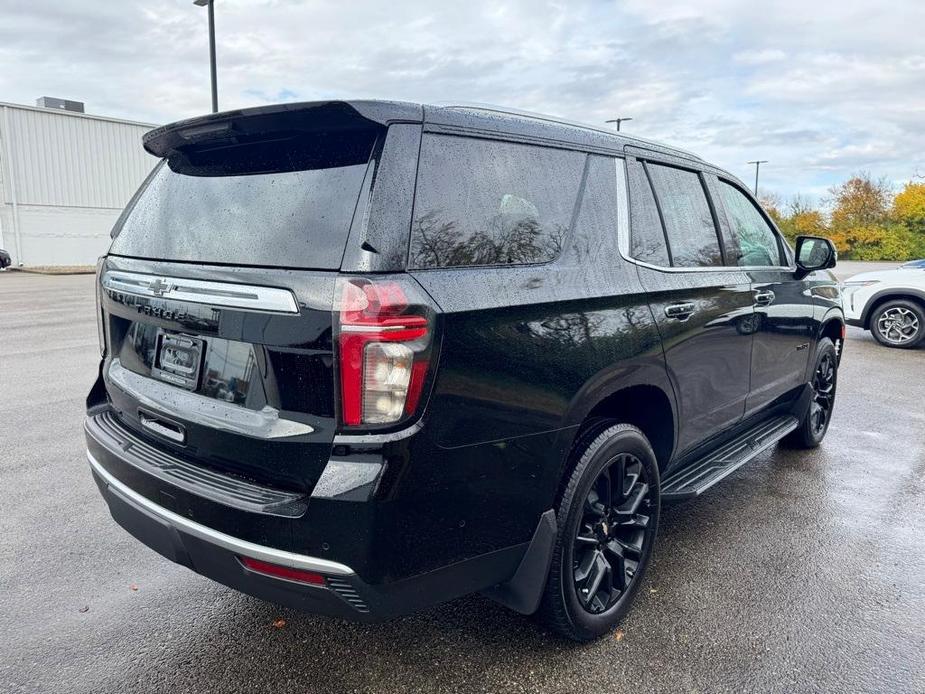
<point>694,479</point>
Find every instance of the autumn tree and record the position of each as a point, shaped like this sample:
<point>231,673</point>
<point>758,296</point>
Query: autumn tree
<point>772,205</point>
<point>860,221</point>
<point>909,213</point>
<point>865,221</point>
<point>909,206</point>
<point>806,220</point>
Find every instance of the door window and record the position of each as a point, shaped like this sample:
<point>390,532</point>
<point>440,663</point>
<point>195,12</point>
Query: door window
<point>689,223</point>
<point>647,240</point>
<point>756,240</point>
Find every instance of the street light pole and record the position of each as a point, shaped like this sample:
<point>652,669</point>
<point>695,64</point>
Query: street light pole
<point>212,69</point>
<point>757,163</point>
<point>617,121</point>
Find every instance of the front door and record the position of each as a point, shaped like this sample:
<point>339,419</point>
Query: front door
<point>785,325</point>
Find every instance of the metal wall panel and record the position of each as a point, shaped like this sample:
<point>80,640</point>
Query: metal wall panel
<point>73,161</point>
<point>64,178</point>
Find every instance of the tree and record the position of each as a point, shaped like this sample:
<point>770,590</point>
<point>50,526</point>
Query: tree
<point>801,219</point>
<point>772,205</point>
<point>909,211</point>
<point>861,220</point>
<point>808,222</point>
<point>909,206</point>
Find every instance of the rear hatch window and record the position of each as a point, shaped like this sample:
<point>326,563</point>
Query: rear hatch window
<point>287,202</point>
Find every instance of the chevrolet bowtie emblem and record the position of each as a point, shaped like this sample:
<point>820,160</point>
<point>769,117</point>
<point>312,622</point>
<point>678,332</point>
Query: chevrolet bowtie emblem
<point>159,287</point>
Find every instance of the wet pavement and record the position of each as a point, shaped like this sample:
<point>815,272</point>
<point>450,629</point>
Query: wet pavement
<point>803,571</point>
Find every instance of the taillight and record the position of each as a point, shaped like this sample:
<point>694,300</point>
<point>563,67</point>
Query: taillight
<point>384,336</point>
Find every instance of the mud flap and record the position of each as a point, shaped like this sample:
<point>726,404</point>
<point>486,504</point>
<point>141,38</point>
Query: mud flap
<point>525,589</point>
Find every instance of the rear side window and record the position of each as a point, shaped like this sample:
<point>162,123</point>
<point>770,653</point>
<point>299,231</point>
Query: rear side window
<point>757,242</point>
<point>686,213</point>
<point>285,204</point>
<point>484,202</point>
<point>647,240</point>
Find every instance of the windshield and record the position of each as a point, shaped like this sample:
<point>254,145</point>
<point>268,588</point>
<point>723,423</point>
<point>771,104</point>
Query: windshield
<point>211,209</point>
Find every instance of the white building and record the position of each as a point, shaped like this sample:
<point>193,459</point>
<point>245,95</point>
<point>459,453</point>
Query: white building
<point>64,178</point>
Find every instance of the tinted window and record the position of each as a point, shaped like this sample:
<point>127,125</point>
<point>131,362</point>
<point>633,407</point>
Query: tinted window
<point>481,202</point>
<point>647,240</point>
<point>295,213</point>
<point>688,220</point>
<point>757,242</point>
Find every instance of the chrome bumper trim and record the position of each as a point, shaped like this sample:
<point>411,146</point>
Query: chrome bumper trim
<point>232,544</point>
<point>175,402</point>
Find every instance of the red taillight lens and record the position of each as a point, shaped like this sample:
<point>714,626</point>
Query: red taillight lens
<point>280,571</point>
<point>384,350</point>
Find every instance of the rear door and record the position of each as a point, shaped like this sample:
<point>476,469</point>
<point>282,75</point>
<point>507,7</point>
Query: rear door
<point>785,325</point>
<point>703,310</point>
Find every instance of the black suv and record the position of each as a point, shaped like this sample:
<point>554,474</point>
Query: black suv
<point>363,357</point>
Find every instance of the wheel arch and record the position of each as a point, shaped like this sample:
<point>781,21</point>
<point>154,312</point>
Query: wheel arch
<point>908,294</point>
<point>648,406</point>
<point>833,327</point>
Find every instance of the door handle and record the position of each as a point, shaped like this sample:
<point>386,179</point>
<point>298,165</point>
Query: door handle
<point>764,297</point>
<point>680,312</point>
<point>162,427</point>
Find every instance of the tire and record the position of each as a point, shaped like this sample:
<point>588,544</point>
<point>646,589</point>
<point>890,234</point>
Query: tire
<point>614,538</point>
<point>814,423</point>
<point>898,323</point>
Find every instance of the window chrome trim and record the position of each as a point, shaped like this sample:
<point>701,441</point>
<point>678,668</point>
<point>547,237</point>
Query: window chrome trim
<point>220,539</point>
<point>623,205</point>
<point>623,237</point>
<point>244,296</point>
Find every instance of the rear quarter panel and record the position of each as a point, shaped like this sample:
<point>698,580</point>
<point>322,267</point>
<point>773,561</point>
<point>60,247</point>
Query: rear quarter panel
<point>526,353</point>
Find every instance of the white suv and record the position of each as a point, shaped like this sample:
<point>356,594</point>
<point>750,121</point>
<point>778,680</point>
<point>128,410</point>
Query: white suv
<point>889,303</point>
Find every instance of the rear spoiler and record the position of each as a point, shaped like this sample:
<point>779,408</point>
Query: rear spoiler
<point>256,124</point>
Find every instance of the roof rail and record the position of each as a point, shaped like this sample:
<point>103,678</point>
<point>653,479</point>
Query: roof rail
<point>562,121</point>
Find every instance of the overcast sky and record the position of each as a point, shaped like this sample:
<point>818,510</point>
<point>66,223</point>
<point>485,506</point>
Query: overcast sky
<point>818,87</point>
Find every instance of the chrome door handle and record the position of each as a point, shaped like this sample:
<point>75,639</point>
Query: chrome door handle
<point>764,297</point>
<point>168,430</point>
<point>680,312</point>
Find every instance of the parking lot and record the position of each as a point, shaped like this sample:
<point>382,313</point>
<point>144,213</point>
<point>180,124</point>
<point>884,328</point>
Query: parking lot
<point>801,572</point>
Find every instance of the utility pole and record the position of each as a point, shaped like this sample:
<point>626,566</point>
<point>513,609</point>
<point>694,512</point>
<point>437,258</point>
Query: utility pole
<point>617,121</point>
<point>757,163</point>
<point>211,5</point>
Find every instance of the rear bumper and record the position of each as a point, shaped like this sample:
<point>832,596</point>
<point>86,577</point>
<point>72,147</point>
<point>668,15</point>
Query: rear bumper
<point>215,555</point>
<point>344,594</point>
<point>213,544</point>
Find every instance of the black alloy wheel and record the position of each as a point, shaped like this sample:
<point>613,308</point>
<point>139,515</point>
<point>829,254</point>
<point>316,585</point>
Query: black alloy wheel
<point>820,410</point>
<point>817,413</point>
<point>609,544</point>
<point>607,519</point>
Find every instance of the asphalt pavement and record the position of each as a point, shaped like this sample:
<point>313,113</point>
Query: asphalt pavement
<point>803,571</point>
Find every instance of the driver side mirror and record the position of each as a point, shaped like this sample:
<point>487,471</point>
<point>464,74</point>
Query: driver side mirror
<point>814,253</point>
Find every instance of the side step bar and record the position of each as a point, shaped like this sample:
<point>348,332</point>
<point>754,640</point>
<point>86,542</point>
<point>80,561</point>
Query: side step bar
<point>695,478</point>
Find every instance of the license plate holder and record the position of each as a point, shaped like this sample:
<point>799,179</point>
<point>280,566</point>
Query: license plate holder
<point>178,359</point>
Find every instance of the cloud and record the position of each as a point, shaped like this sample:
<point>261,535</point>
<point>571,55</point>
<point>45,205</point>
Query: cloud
<point>759,57</point>
<point>819,89</point>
